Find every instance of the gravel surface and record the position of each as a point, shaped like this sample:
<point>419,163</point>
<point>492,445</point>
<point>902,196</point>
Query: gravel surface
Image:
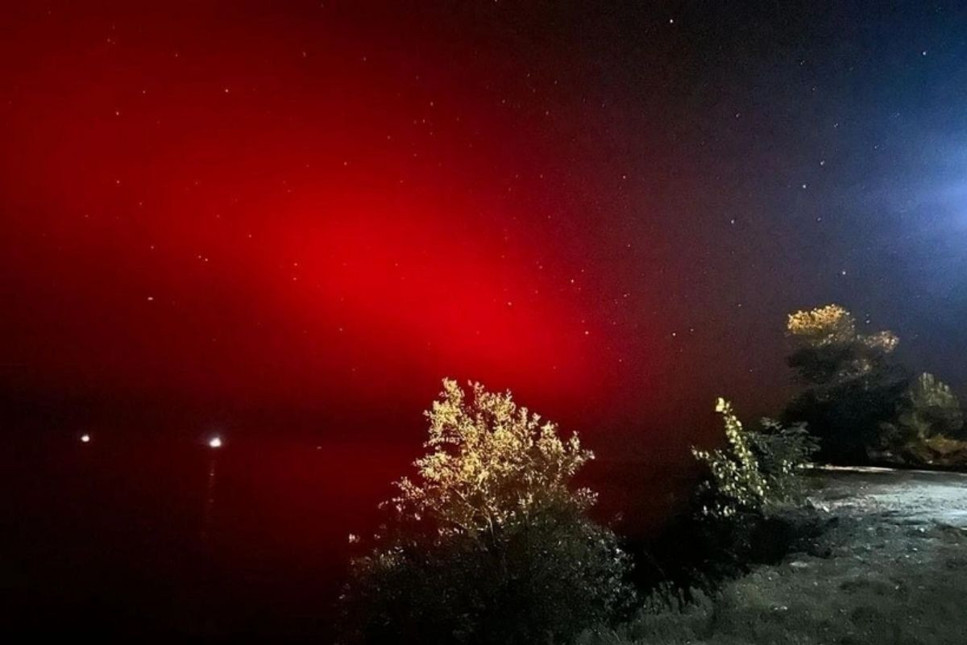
<point>890,568</point>
<point>901,496</point>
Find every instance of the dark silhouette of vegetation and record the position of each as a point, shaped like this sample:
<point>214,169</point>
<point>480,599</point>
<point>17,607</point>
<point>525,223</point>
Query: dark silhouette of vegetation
<point>927,429</point>
<point>862,405</point>
<point>852,382</point>
<point>783,452</point>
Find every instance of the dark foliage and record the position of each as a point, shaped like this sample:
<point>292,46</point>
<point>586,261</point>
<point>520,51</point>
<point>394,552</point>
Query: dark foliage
<point>853,383</point>
<point>864,406</point>
<point>746,509</point>
<point>693,554</point>
<point>782,452</point>
<point>847,416</point>
<point>541,579</point>
<point>927,428</point>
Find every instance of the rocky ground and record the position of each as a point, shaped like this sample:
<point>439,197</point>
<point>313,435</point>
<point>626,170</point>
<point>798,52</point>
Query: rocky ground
<point>890,568</point>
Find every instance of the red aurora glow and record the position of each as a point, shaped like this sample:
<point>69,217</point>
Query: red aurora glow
<point>286,213</point>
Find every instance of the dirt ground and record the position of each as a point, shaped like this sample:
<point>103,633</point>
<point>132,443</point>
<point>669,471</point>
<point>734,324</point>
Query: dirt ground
<point>891,568</point>
<point>907,497</point>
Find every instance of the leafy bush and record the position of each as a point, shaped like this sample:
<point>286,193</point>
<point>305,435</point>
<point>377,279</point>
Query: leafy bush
<point>755,474</point>
<point>853,383</point>
<point>756,470</point>
<point>490,462</point>
<point>734,484</point>
<point>782,452</point>
<point>861,404</point>
<point>927,426</point>
<point>829,350</point>
<point>930,409</point>
<point>488,544</point>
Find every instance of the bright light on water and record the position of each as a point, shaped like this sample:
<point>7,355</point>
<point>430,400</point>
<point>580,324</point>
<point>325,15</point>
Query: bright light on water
<point>85,438</point>
<point>215,442</point>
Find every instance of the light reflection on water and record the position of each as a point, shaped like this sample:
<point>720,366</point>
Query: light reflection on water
<point>122,533</point>
<point>114,532</point>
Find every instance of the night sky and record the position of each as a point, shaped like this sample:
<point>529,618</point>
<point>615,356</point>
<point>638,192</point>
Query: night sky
<point>255,211</point>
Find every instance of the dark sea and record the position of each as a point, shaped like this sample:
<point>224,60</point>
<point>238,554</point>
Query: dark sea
<point>158,536</point>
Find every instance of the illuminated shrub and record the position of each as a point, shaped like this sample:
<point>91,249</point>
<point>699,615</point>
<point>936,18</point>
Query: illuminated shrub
<point>734,483</point>
<point>745,509</point>
<point>828,350</point>
<point>827,325</point>
<point>490,462</point>
<point>756,470</point>
<point>745,506</point>
<point>488,543</point>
